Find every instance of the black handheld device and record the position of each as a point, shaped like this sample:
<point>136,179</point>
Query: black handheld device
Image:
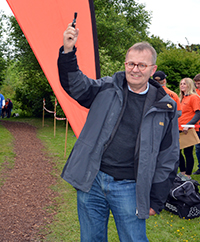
<point>74,20</point>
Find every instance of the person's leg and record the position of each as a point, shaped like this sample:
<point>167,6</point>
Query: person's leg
<point>8,113</point>
<point>94,206</point>
<point>197,147</point>
<point>122,199</point>
<point>189,160</point>
<point>93,212</point>
<point>182,162</point>
<point>3,113</point>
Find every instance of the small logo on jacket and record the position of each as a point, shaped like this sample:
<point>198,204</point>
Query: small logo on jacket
<point>169,105</point>
<point>161,123</point>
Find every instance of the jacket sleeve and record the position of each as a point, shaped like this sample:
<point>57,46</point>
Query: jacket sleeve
<point>166,166</point>
<point>74,82</point>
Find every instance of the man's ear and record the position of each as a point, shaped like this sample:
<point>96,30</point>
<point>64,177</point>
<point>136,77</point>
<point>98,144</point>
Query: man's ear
<point>154,70</point>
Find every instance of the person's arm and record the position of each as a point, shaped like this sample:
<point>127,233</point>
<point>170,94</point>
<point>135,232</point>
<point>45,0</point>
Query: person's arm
<point>74,82</point>
<point>179,113</point>
<point>194,120</point>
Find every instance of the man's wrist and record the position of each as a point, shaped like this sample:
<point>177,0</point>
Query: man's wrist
<point>67,50</point>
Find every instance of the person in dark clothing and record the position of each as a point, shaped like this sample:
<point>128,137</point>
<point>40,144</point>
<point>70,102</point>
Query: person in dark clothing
<point>6,111</point>
<point>127,155</point>
<point>9,108</point>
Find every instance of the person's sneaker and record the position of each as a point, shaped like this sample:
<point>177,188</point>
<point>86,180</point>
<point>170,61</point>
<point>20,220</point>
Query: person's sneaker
<point>197,172</point>
<point>183,177</point>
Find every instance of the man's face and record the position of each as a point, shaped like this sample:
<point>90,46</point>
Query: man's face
<point>197,84</point>
<point>136,78</point>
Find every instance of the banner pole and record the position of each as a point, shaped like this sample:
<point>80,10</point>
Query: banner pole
<point>55,117</point>
<point>43,113</point>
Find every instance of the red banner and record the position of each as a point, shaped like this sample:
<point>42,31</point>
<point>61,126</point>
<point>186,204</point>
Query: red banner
<point>43,23</point>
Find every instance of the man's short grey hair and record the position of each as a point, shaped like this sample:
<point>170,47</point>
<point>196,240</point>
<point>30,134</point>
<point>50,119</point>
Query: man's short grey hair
<point>141,46</point>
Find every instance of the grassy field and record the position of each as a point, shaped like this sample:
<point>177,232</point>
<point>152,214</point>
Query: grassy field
<point>165,227</point>
<point>6,152</point>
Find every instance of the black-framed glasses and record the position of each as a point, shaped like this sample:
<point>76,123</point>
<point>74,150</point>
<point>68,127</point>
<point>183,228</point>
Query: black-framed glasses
<point>141,66</point>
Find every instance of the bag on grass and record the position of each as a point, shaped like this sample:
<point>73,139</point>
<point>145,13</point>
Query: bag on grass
<point>184,199</point>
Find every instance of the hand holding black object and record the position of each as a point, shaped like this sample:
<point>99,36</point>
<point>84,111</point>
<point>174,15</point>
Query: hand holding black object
<point>74,20</point>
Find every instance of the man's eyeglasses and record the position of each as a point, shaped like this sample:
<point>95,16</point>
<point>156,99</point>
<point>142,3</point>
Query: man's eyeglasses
<point>141,66</point>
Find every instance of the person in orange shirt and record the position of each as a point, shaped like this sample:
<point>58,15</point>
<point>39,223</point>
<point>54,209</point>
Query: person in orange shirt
<point>160,77</point>
<point>197,147</point>
<point>190,105</point>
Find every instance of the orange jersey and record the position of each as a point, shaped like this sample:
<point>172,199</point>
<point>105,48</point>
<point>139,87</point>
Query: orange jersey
<point>174,96</point>
<point>198,91</point>
<point>189,105</point>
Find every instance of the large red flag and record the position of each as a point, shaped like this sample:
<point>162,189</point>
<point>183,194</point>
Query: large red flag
<point>43,23</point>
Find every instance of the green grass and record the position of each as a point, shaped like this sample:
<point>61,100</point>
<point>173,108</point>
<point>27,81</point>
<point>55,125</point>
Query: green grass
<point>6,153</point>
<point>165,227</point>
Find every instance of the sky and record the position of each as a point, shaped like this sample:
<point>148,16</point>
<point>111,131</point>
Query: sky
<point>5,7</point>
<point>174,20</point>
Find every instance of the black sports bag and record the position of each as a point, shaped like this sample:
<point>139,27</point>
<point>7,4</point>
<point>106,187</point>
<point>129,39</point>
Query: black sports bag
<point>184,199</point>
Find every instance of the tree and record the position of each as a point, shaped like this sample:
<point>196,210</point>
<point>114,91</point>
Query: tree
<point>120,23</point>
<point>160,45</point>
<point>2,68</point>
<point>2,59</point>
<point>177,64</point>
<point>33,85</point>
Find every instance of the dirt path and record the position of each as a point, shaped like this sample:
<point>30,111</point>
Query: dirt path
<point>26,191</point>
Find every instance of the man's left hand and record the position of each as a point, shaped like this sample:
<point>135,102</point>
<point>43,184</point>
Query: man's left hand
<point>151,212</point>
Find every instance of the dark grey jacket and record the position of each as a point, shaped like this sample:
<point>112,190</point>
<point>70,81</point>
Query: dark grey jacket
<point>157,148</point>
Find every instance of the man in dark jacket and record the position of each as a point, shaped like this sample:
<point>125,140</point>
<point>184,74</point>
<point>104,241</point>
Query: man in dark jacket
<point>126,156</point>
<point>7,108</point>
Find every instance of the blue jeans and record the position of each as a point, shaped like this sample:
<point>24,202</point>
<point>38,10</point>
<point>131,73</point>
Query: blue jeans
<point>94,208</point>
<point>197,147</point>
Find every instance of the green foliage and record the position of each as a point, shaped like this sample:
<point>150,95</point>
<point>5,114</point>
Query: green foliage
<point>190,48</point>
<point>32,85</point>
<point>2,60</point>
<point>119,25</point>
<point>11,82</point>
<point>177,64</point>
<point>31,92</point>
<point>2,67</point>
<point>108,66</point>
<point>159,45</point>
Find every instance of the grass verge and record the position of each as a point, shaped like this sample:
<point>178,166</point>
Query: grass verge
<point>6,153</point>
